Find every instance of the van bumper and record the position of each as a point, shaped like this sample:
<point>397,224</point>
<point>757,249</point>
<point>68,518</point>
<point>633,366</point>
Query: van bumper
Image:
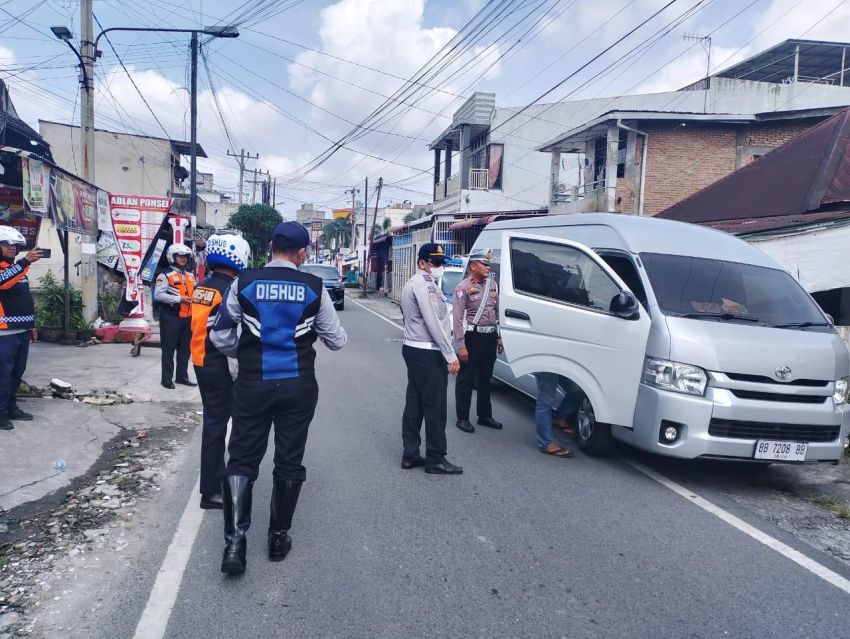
<point>693,416</point>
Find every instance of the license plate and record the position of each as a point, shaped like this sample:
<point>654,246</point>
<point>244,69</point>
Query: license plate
<point>781,451</point>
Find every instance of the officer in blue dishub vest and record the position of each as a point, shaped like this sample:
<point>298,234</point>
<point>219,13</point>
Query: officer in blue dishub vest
<point>279,311</point>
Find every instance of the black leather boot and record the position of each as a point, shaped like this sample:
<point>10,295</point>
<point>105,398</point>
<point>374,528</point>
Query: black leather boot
<point>236,505</point>
<point>284,499</point>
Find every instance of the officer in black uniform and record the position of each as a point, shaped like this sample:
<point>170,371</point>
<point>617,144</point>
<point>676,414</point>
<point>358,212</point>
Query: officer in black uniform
<point>280,312</point>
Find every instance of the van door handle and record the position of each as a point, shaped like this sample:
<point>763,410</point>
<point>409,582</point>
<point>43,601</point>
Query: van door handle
<point>509,312</point>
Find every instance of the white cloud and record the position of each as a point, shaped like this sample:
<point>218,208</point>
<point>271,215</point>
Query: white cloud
<point>388,35</point>
<point>811,20</point>
<point>690,68</point>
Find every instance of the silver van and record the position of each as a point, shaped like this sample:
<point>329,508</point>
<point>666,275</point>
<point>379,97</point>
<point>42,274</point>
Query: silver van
<point>684,341</point>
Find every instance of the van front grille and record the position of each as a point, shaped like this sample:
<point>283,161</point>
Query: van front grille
<point>761,379</point>
<point>762,430</point>
<point>778,397</point>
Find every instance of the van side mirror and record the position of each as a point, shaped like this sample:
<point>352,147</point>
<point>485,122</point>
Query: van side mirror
<point>830,318</point>
<point>625,305</point>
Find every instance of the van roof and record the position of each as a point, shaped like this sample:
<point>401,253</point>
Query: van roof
<point>652,235</point>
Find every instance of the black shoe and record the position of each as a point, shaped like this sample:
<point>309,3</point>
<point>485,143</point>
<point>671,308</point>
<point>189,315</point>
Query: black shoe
<point>236,504</point>
<point>184,382</point>
<point>444,468</point>
<point>465,426</point>
<point>408,464</point>
<point>284,499</point>
<point>489,422</point>
<point>211,502</point>
<point>168,385</point>
<point>5,424</point>
<point>17,413</point>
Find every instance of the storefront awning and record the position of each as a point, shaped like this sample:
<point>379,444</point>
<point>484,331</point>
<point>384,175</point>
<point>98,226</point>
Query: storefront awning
<point>484,220</point>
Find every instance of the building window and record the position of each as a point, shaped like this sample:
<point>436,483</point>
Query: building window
<point>495,160</point>
<point>562,274</point>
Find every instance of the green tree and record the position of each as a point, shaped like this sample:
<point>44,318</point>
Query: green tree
<point>386,224</point>
<point>256,222</point>
<point>339,230</point>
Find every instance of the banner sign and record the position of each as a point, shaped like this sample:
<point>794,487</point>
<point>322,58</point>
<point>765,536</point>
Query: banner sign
<point>135,221</point>
<point>72,203</point>
<point>35,191</point>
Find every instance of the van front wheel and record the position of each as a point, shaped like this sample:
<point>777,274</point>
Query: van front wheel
<point>593,438</point>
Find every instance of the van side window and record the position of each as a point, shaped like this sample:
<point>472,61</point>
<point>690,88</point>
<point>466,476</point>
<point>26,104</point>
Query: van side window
<point>625,268</point>
<point>560,273</point>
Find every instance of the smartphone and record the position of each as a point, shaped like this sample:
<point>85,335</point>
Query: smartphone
<point>45,252</point>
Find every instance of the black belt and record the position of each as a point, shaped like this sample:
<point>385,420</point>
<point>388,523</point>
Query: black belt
<point>482,329</point>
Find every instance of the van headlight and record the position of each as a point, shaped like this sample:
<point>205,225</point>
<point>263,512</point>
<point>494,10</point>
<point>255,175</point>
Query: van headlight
<point>676,377</point>
<point>841,387</point>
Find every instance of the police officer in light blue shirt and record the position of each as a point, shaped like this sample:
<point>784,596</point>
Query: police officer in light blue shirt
<point>269,320</point>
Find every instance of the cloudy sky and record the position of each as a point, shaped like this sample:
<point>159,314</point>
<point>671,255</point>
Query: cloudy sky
<point>305,74</point>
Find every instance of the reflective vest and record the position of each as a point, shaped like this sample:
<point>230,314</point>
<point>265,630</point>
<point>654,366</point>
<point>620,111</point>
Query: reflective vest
<point>206,300</point>
<point>184,284</point>
<point>279,306</point>
<point>17,310</point>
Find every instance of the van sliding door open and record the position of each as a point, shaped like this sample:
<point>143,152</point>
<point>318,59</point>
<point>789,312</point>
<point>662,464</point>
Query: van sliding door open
<point>563,310</point>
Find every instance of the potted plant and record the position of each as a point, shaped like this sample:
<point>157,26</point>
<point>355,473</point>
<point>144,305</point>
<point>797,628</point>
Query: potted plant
<point>85,330</point>
<point>50,308</point>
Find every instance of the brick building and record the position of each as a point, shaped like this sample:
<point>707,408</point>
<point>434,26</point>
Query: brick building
<point>642,161</point>
<point>684,153</point>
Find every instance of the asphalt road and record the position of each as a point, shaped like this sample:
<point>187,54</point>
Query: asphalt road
<point>520,545</point>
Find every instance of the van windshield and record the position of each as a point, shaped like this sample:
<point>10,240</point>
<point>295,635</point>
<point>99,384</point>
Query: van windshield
<point>714,290</point>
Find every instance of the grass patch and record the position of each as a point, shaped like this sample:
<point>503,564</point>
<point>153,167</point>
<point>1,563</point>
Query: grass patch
<point>833,505</point>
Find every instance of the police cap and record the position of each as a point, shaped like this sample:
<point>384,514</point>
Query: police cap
<point>290,235</point>
<point>431,252</point>
<point>485,257</point>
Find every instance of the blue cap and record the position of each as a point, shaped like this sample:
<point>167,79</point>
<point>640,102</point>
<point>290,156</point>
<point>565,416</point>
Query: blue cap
<point>290,235</point>
<point>431,252</point>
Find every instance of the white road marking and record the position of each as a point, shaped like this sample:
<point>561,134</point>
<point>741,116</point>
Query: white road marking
<point>154,619</point>
<point>377,314</point>
<point>783,549</point>
<point>157,613</point>
<point>797,557</point>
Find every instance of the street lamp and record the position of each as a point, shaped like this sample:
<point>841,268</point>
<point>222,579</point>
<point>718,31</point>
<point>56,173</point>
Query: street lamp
<point>87,58</point>
<point>217,31</point>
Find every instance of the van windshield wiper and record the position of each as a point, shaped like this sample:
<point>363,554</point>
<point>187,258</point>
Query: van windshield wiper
<point>720,316</point>
<point>800,324</point>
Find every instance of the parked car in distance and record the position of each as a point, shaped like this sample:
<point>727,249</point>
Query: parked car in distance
<point>331,279</point>
<point>684,341</point>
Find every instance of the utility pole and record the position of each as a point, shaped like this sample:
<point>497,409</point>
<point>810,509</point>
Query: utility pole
<point>193,125</point>
<point>372,234</point>
<point>240,158</point>
<point>365,215</point>
<point>353,192</point>
<point>89,254</point>
<point>255,182</point>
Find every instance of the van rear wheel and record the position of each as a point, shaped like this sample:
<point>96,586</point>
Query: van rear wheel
<point>593,437</point>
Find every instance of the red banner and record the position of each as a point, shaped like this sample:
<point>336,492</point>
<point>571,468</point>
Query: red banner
<point>135,221</point>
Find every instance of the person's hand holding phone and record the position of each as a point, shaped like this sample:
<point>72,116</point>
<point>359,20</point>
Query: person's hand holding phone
<point>36,254</point>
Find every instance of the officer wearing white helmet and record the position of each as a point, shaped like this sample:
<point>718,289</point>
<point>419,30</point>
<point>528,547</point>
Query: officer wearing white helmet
<point>227,254</point>
<point>17,321</point>
<point>173,291</point>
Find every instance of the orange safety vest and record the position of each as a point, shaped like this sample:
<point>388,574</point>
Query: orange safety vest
<point>184,283</point>
<point>205,301</point>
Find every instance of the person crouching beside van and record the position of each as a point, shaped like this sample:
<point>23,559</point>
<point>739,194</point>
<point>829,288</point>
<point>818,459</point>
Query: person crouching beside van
<point>547,391</point>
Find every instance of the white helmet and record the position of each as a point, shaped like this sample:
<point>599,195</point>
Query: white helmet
<point>177,249</point>
<point>228,249</point>
<point>11,235</point>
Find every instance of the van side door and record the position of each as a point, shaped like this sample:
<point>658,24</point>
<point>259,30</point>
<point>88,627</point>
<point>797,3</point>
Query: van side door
<point>561,312</point>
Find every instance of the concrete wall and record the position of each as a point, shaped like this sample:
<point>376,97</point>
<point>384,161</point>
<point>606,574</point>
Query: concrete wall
<point>123,163</point>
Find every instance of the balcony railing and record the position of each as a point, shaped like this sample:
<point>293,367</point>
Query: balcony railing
<point>576,193</point>
<point>478,179</point>
<point>453,185</point>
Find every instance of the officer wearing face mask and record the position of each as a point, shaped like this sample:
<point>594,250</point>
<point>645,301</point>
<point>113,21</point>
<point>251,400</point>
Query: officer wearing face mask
<point>430,358</point>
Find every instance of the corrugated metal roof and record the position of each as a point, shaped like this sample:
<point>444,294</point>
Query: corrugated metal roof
<point>802,176</point>
<point>779,222</point>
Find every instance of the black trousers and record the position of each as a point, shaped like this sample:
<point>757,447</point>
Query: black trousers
<point>476,373</point>
<point>216,388</point>
<point>427,388</point>
<point>290,405</point>
<point>175,334</point>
